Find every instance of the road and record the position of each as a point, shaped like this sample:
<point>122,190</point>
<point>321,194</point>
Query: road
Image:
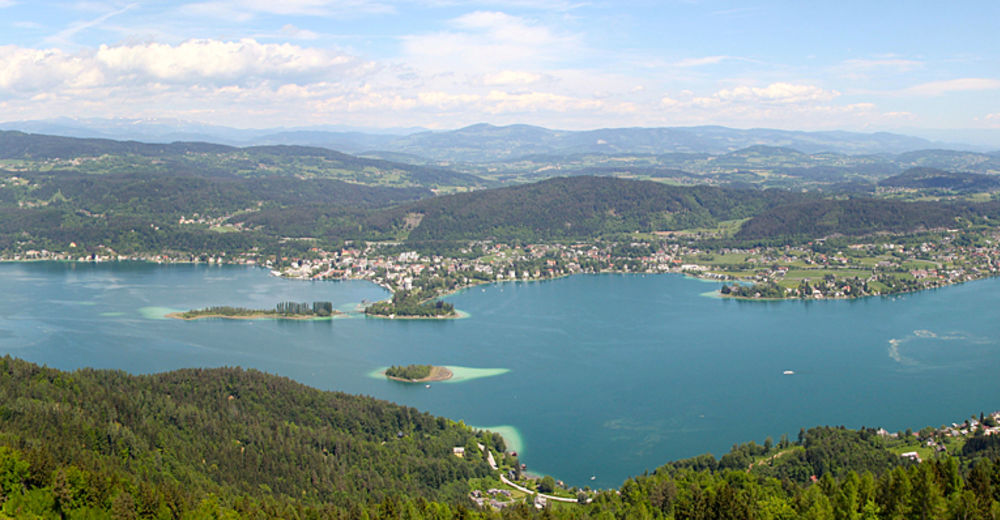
<point>530,492</point>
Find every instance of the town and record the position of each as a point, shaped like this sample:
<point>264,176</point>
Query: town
<point>832,268</point>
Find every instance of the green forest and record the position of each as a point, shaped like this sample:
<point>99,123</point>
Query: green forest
<point>232,443</point>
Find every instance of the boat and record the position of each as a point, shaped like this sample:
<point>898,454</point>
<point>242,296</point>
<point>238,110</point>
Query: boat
<point>593,477</point>
<point>427,386</point>
<point>788,372</point>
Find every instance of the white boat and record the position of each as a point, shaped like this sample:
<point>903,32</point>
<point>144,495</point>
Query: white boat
<point>788,372</point>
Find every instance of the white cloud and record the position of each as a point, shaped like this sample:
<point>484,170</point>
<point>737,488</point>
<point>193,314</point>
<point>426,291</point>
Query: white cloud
<point>296,33</point>
<point>937,88</point>
<point>189,64</point>
<point>488,41</point>
<point>511,77</point>
<point>217,60</point>
<point>501,102</point>
<point>446,100</point>
<point>31,70</point>
<point>778,93</point>
<point>7,3</point>
<point>698,62</point>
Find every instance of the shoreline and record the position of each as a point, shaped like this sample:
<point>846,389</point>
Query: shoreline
<point>438,373</point>
<point>688,274</point>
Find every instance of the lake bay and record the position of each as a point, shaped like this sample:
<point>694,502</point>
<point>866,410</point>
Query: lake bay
<point>605,375</point>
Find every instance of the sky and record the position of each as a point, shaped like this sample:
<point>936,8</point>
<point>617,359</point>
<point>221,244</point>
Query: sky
<point>821,65</point>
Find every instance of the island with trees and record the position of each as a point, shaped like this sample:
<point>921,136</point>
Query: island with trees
<point>283,311</point>
<point>418,373</point>
<point>408,304</point>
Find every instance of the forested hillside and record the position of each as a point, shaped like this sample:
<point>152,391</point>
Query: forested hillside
<point>183,212</point>
<point>582,207</point>
<point>861,216</point>
<point>194,213</point>
<point>230,443</point>
<point>163,445</point>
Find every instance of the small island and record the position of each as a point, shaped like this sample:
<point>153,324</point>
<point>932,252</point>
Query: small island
<point>282,311</point>
<point>418,373</point>
<point>408,304</point>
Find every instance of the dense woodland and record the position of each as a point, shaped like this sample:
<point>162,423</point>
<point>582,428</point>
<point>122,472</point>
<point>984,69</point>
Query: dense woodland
<point>229,443</point>
<point>173,444</point>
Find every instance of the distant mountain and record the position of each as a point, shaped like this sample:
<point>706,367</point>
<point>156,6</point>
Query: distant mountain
<point>170,130</point>
<point>933,178</point>
<point>485,143</point>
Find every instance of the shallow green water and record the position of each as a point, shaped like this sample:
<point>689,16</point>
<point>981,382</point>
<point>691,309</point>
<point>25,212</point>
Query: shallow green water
<point>595,375</point>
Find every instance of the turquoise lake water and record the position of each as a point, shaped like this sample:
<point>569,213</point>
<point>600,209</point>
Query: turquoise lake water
<point>605,375</point>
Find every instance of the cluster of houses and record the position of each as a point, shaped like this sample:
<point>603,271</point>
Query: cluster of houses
<point>495,498</point>
<point>935,440</point>
<point>106,254</point>
<point>492,262</point>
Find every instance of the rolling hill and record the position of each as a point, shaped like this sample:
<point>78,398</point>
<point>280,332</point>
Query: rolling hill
<point>33,152</point>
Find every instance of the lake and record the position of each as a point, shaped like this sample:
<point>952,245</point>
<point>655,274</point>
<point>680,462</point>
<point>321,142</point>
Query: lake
<point>603,375</point>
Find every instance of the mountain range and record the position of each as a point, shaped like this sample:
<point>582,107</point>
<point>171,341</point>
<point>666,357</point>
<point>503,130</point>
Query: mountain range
<point>485,142</point>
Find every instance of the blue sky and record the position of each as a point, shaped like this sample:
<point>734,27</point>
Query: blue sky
<point>556,63</point>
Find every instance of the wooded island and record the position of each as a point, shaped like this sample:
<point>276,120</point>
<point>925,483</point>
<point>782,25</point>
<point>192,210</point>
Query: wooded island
<point>284,310</point>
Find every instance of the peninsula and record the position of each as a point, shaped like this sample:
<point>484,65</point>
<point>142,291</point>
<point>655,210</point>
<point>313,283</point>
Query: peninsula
<point>418,373</point>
